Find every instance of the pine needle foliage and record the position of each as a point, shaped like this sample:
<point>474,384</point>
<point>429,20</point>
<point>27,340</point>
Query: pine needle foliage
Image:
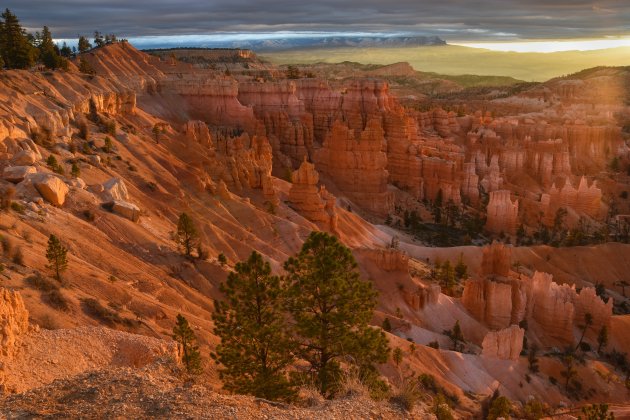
<point>330,307</point>
<point>255,348</point>
<point>185,336</point>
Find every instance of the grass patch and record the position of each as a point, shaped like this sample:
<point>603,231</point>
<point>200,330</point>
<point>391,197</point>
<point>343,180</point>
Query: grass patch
<point>96,310</point>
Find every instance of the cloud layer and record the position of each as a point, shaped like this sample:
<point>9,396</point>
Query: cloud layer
<point>450,19</point>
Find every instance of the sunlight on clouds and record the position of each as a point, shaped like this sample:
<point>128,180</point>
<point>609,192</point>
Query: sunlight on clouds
<point>549,46</point>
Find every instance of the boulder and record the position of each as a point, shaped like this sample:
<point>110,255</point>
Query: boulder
<point>50,187</point>
<point>125,209</point>
<point>77,183</point>
<point>115,189</point>
<point>25,158</point>
<point>16,174</point>
<point>95,160</point>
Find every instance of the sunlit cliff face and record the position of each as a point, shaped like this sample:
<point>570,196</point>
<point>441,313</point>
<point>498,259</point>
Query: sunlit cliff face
<point>550,45</point>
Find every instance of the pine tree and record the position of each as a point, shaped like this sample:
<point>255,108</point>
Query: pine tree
<point>108,145</point>
<point>255,348</point>
<point>397,356</point>
<point>84,44</point>
<point>456,336</point>
<point>331,307</point>
<point>65,50</point>
<point>461,269</point>
<point>387,325</point>
<point>500,408</point>
<point>185,336</point>
<point>48,51</point>
<point>99,41</point>
<point>570,372</point>
<point>157,131</point>
<point>56,254</point>
<point>187,236</point>
<point>85,66</point>
<point>588,321</point>
<point>17,52</point>
<point>75,171</point>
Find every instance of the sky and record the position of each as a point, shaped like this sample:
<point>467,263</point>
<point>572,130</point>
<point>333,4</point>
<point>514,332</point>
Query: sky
<point>496,23</point>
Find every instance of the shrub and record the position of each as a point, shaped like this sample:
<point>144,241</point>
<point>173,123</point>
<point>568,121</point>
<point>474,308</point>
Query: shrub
<point>57,300</point>
<point>75,171</point>
<point>309,396</point>
<point>7,246</point>
<point>351,385</point>
<point>17,207</point>
<point>110,127</point>
<point>41,283</point>
<point>18,257</point>
<point>96,310</point>
<point>108,145</point>
<point>222,259</point>
<point>434,345</point>
<point>441,408</point>
<point>89,215</point>
<point>6,195</point>
<point>387,325</point>
<point>407,394</point>
<point>202,252</point>
<point>84,130</point>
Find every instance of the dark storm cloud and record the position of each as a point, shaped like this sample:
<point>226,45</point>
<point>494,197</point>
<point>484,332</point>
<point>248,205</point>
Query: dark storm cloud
<point>451,19</point>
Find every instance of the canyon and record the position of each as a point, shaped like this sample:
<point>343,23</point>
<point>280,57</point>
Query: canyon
<point>259,161</point>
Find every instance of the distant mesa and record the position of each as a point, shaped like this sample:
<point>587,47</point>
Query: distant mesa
<point>269,44</point>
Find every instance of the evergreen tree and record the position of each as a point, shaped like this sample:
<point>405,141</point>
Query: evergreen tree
<point>187,236</point>
<point>387,325</point>
<point>48,51</point>
<point>597,412</point>
<point>461,269</point>
<point>456,336</point>
<point>56,254</point>
<point>255,348</point>
<point>397,356</point>
<point>588,321</point>
<point>570,371</point>
<point>185,336</point>
<point>65,50</point>
<point>500,408</point>
<point>99,41</point>
<point>75,171</point>
<point>331,307</point>
<point>84,44</point>
<point>108,145</point>
<point>17,52</point>
<point>85,66</point>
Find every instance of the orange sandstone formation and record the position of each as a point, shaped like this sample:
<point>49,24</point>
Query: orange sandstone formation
<point>13,321</point>
<point>504,344</point>
<point>502,213</point>
<point>356,163</point>
<point>317,205</point>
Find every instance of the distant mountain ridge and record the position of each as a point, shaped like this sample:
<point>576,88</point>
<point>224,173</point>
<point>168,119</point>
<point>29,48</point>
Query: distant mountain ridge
<point>274,44</point>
